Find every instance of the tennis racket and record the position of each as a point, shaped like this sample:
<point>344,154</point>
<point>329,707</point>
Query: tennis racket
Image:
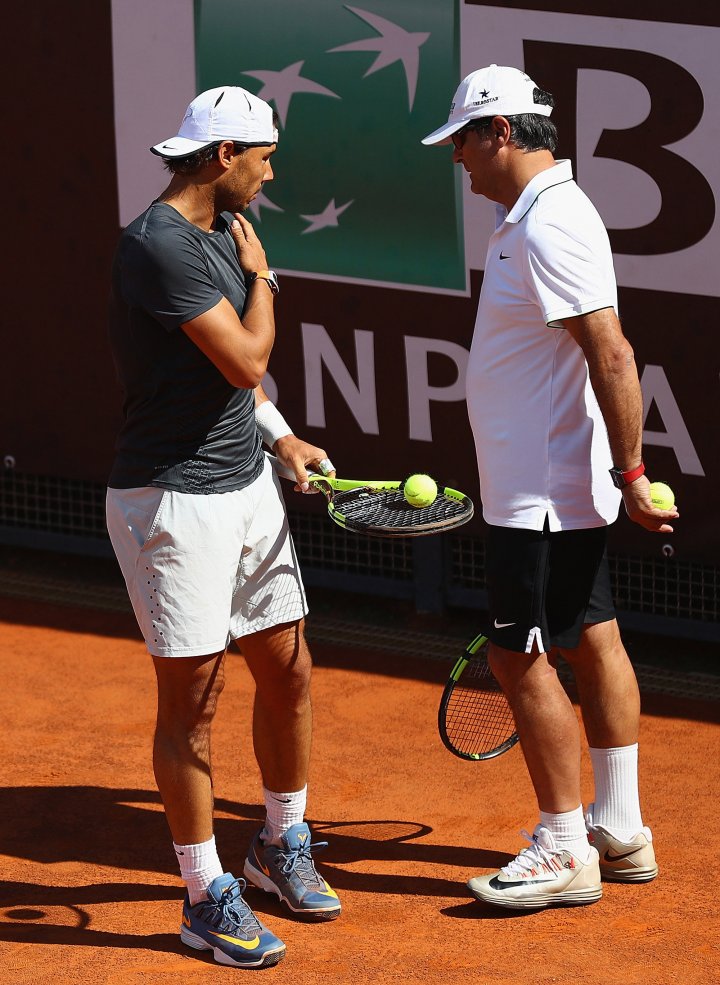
<point>474,718</point>
<point>378,508</point>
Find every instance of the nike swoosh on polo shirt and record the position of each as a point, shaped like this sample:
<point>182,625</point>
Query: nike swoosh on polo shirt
<point>503,625</point>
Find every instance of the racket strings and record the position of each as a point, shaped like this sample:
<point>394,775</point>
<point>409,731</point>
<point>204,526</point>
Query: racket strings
<point>478,718</point>
<point>388,508</point>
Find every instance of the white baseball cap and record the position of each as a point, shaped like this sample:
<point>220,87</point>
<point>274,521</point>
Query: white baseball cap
<point>225,113</point>
<point>497,90</point>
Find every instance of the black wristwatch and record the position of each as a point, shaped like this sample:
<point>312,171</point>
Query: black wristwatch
<point>621,479</point>
<point>267,275</point>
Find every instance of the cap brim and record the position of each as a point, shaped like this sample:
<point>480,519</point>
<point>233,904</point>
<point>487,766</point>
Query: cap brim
<point>444,133</point>
<point>180,147</point>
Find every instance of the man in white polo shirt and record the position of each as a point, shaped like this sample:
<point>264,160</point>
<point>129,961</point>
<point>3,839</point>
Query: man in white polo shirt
<point>556,410</point>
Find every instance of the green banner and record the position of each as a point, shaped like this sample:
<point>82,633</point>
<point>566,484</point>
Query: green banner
<point>355,196</point>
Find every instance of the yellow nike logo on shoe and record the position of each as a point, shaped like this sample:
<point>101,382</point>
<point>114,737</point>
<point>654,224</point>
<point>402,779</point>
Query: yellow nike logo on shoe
<point>329,892</point>
<point>248,945</point>
<point>186,919</point>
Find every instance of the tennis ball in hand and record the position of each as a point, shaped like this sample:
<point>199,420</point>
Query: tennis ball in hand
<point>662,496</point>
<point>420,490</point>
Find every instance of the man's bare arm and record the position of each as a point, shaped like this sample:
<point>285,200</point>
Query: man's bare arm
<point>615,381</point>
<point>240,349</point>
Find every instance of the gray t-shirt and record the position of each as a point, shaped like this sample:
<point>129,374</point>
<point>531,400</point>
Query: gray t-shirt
<point>186,428</point>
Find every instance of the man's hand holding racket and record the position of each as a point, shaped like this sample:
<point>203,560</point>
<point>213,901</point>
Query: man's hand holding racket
<point>295,455</point>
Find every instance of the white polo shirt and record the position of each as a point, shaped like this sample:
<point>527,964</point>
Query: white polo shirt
<point>541,441</point>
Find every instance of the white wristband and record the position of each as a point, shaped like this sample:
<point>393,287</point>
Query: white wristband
<point>271,424</point>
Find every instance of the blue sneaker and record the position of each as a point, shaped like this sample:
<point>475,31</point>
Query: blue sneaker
<point>225,925</point>
<point>289,872</point>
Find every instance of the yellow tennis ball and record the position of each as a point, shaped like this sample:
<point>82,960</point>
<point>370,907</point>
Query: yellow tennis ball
<point>420,490</point>
<point>661,496</point>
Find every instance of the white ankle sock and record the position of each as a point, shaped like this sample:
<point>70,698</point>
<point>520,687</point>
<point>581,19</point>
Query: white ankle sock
<point>283,810</point>
<point>617,801</point>
<point>568,830</point>
<point>199,865</point>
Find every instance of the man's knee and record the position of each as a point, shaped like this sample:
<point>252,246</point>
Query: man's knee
<point>598,641</point>
<point>189,689</point>
<point>513,669</point>
<point>279,661</point>
<point>522,673</point>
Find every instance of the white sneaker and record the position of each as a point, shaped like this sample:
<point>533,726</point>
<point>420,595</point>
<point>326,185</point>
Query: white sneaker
<point>541,875</point>
<point>622,861</point>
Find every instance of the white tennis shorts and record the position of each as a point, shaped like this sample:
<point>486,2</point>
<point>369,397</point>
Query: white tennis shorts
<point>204,570</point>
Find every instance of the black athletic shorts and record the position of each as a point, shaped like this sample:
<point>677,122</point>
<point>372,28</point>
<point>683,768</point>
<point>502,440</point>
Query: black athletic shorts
<point>543,587</point>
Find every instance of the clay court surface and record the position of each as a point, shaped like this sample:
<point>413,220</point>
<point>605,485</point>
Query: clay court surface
<point>90,891</point>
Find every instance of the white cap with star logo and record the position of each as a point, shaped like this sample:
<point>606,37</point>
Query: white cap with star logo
<point>497,90</point>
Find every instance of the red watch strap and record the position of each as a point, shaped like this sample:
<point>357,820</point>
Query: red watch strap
<point>634,474</point>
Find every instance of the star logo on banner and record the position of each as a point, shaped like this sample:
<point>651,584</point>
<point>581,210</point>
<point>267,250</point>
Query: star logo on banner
<point>281,86</point>
<point>394,45</point>
<point>261,201</point>
<point>328,216</point>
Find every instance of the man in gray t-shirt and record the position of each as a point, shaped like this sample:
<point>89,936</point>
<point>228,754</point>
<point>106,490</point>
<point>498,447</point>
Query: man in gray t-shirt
<point>196,515</point>
<point>168,271</point>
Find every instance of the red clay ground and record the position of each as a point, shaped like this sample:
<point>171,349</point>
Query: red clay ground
<point>89,891</point>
